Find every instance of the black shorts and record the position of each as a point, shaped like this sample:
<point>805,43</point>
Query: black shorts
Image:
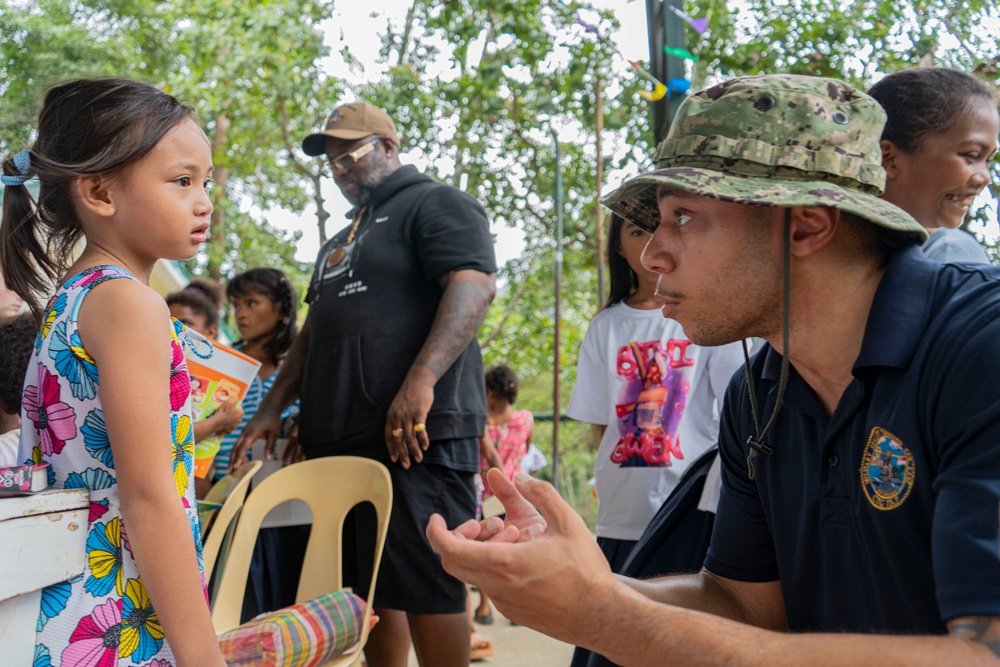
<point>410,577</point>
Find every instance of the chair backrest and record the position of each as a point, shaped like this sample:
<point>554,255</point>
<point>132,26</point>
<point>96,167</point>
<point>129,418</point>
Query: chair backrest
<point>331,487</point>
<point>230,491</point>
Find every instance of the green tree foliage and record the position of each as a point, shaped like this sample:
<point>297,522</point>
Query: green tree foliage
<point>517,74</point>
<point>853,41</point>
<point>252,71</point>
<point>49,41</point>
<point>249,69</point>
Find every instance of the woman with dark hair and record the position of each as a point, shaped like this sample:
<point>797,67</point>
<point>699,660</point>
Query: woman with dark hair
<point>651,396</point>
<point>939,141</point>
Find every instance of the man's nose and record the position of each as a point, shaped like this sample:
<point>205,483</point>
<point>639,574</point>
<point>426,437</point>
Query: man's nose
<point>657,255</point>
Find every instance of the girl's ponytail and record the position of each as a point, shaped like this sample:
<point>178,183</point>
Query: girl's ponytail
<point>29,269</point>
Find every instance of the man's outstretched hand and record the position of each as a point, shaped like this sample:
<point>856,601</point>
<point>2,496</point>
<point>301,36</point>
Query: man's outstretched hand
<point>536,565</point>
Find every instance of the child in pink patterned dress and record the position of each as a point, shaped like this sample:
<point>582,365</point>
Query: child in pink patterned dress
<point>508,433</point>
<point>126,167</point>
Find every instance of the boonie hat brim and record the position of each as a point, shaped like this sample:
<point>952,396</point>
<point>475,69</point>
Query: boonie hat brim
<point>635,200</point>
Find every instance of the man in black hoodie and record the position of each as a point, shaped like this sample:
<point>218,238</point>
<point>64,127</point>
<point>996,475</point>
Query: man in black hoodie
<point>387,366</point>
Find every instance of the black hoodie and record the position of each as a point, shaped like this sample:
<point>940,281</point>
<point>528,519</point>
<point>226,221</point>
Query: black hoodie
<point>372,312</point>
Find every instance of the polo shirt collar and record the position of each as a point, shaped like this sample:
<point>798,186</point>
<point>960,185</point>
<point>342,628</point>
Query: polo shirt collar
<point>898,317</point>
<point>900,310</point>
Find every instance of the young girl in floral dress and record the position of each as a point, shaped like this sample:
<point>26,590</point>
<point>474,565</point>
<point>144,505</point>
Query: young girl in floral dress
<point>107,394</point>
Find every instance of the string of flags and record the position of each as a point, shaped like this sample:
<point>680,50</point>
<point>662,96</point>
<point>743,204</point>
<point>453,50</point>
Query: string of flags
<point>700,25</point>
<point>672,86</point>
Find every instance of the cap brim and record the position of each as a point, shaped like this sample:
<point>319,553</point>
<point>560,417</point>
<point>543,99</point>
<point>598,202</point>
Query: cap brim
<point>635,200</point>
<point>315,144</point>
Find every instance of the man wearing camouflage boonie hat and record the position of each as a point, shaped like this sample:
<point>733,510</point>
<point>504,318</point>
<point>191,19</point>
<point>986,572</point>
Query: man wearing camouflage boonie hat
<point>860,472</point>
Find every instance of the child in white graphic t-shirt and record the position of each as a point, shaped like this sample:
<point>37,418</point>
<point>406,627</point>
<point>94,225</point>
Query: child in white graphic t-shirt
<point>652,396</point>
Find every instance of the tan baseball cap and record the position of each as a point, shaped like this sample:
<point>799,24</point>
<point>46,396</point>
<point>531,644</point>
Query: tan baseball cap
<point>352,121</point>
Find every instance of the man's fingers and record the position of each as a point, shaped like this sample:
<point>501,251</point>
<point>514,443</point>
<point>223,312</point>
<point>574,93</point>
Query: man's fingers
<point>394,443</point>
<point>291,452</point>
<point>239,455</point>
<point>423,440</point>
<point>413,448</point>
<point>508,494</point>
<point>558,515</point>
<point>470,530</point>
<point>270,440</point>
<point>443,540</point>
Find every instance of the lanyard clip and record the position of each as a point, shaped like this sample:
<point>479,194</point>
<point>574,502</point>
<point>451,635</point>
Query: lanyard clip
<point>756,448</point>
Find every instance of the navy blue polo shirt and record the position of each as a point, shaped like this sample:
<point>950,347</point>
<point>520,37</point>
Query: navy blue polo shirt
<point>884,517</point>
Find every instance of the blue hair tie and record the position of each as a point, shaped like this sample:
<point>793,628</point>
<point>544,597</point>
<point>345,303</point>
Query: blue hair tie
<point>22,160</point>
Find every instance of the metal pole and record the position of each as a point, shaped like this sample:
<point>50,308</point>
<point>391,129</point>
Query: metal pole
<point>599,109</point>
<point>558,315</point>
<point>664,29</point>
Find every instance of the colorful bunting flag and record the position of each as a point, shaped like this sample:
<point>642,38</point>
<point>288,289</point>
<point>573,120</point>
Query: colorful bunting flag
<point>586,26</point>
<point>679,53</point>
<point>658,93</point>
<point>678,85</point>
<point>699,25</point>
<point>659,89</point>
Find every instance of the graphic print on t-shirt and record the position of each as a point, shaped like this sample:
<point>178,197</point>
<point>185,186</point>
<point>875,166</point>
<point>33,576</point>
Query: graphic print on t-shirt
<point>651,402</point>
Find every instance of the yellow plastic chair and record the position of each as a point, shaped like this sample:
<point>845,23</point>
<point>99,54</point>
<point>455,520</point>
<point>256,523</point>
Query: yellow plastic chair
<point>230,492</point>
<point>331,487</point>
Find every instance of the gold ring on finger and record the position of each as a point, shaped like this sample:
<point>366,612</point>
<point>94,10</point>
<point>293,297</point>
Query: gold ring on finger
<point>419,427</point>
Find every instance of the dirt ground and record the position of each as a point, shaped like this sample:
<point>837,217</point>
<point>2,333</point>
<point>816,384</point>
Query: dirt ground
<point>517,646</point>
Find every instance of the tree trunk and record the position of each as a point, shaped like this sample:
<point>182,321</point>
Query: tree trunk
<point>217,237</point>
<point>322,215</point>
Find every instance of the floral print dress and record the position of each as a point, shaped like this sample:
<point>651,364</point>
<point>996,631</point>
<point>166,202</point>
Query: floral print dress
<point>511,442</point>
<point>102,618</point>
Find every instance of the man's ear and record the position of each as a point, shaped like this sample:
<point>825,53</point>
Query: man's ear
<point>813,227</point>
<point>94,193</point>
<point>889,154</point>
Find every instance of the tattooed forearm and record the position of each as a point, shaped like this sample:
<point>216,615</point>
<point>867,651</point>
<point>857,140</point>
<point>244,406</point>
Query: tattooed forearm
<point>980,629</point>
<point>460,314</point>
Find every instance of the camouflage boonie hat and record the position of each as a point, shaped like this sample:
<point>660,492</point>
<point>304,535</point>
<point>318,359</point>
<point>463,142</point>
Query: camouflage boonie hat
<point>774,140</point>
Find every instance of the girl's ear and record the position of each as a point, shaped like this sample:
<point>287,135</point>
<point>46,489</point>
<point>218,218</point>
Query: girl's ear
<point>94,193</point>
<point>889,154</point>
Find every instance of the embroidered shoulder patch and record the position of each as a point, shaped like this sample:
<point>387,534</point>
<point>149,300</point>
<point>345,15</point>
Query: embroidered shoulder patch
<point>887,470</point>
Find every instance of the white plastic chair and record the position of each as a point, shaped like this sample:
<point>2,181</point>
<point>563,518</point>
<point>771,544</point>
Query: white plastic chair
<point>331,487</point>
<point>230,492</point>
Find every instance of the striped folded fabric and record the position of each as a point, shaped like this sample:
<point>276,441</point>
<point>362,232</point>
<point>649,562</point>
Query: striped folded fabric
<point>303,635</point>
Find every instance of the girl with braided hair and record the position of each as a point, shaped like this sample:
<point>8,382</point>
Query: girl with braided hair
<point>263,304</point>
